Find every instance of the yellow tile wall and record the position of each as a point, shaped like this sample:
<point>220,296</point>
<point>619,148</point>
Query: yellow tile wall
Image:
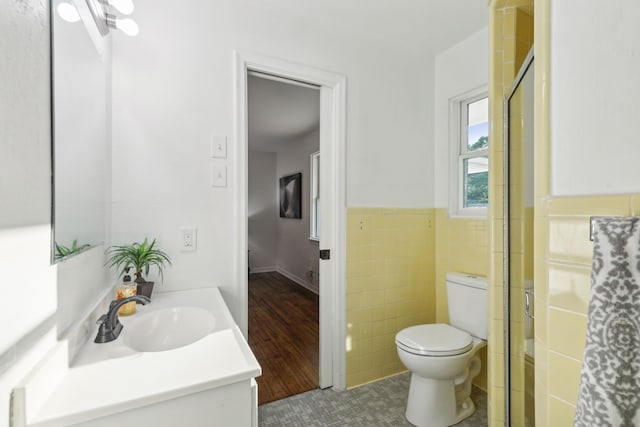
<point>543,406</point>
<point>462,245</point>
<point>397,260</point>
<point>524,34</point>
<point>390,285</point>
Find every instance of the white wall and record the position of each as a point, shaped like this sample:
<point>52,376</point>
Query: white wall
<point>173,87</point>
<point>263,211</point>
<point>461,68</point>
<point>594,97</point>
<point>297,255</point>
<point>35,297</point>
<point>28,291</point>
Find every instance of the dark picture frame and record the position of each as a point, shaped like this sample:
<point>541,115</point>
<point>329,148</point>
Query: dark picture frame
<point>291,196</point>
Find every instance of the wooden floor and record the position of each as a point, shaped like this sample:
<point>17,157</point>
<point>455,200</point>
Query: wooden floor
<point>283,335</point>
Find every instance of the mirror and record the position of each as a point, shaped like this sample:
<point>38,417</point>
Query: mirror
<point>80,134</point>
<point>520,231</point>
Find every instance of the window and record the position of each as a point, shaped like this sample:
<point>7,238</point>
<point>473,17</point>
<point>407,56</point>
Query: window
<point>470,139</point>
<point>314,232</point>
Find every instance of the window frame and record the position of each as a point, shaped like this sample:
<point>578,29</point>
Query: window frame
<point>314,196</point>
<point>458,127</point>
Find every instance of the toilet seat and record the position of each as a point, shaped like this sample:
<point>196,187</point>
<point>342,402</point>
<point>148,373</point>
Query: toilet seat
<point>436,339</point>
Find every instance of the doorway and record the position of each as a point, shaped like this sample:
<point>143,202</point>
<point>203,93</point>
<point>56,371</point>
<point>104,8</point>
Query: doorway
<point>332,210</point>
<point>283,330</point>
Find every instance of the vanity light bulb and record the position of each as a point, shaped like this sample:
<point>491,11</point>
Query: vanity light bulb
<point>68,12</point>
<point>123,6</point>
<point>127,26</point>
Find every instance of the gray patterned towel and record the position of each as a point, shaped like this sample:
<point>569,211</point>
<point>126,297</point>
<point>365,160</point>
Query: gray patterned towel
<point>610,381</point>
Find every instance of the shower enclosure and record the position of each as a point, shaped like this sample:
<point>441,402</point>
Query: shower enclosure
<point>519,312</point>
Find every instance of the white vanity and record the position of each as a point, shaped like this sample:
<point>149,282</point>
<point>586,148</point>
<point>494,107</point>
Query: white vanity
<point>196,370</point>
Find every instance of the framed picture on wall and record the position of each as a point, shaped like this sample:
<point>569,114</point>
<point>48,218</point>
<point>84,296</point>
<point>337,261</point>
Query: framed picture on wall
<point>291,196</point>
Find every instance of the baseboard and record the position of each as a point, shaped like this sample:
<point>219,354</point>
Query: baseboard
<point>263,269</point>
<point>296,279</point>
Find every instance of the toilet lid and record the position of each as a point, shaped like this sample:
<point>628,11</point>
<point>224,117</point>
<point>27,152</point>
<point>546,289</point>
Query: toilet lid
<point>436,339</point>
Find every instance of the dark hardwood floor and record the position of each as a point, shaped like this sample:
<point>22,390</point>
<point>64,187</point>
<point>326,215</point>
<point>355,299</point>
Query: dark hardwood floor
<point>283,335</point>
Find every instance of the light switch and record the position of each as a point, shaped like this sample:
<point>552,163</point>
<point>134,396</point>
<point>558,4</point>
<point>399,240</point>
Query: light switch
<point>218,175</point>
<point>218,146</point>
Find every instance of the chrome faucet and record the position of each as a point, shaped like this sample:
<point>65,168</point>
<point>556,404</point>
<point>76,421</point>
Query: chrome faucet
<point>110,326</point>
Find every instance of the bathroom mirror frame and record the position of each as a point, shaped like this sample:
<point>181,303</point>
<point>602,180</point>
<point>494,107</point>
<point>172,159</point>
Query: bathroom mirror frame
<point>526,65</point>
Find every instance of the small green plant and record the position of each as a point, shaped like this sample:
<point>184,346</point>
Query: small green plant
<point>140,256</point>
<point>64,251</point>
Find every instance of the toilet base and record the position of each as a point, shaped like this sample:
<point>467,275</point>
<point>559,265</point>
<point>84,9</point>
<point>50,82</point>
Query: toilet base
<point>441,403</point>
<point>431,403</point>
<point>465,410</point>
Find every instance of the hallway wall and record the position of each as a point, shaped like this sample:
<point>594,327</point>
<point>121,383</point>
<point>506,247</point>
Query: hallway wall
<point>263,211</point>
<point>297,256</point>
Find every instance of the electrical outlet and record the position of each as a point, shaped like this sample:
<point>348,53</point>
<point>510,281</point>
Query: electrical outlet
<point>188,239</point>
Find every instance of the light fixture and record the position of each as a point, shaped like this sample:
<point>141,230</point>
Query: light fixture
<point>68,12</point>
<point>125,7</point>
<point>105,20</point>
<point>127,25</point>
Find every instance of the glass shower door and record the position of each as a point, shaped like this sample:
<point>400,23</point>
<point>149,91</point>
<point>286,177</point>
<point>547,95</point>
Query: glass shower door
<point>520,222</point>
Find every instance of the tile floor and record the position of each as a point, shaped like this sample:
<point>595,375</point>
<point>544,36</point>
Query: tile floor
<point>377,404</point>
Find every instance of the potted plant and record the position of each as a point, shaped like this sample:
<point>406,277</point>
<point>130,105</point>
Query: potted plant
<point>140,256</point>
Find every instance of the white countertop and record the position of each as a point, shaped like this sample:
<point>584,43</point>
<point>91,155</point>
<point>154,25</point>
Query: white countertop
<point>110,378</point>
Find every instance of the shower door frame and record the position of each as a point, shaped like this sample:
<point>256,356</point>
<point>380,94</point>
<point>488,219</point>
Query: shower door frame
<point>506,280</point>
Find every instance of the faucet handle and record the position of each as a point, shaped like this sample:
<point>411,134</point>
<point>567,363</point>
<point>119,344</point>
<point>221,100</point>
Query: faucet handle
<point>101,319</point>
<point>110,325</point>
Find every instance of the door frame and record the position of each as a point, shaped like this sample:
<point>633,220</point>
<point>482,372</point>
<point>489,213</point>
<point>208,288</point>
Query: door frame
<point>332,235</point>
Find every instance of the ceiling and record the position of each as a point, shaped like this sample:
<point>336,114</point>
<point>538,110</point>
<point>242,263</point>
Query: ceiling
<point>279,112</point>
<point>426,26</point>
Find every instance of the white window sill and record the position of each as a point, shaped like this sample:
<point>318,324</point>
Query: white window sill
<point>469,215</point>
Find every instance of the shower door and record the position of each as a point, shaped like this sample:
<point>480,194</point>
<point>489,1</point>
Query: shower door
<point>519,313</point>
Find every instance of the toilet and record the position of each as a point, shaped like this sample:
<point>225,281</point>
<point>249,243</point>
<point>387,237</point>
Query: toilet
<point>443,358</point>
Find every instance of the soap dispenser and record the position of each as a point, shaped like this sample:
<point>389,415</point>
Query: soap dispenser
<point>124,290</point>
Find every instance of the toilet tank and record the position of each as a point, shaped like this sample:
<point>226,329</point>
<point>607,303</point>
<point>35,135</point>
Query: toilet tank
<point>468,300</point>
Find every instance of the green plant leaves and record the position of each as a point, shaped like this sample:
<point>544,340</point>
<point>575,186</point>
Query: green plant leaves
<point>64,251</point>
<point>140,256</point>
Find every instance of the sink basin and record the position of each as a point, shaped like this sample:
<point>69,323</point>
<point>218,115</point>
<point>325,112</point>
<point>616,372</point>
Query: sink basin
<point>168,328</point>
